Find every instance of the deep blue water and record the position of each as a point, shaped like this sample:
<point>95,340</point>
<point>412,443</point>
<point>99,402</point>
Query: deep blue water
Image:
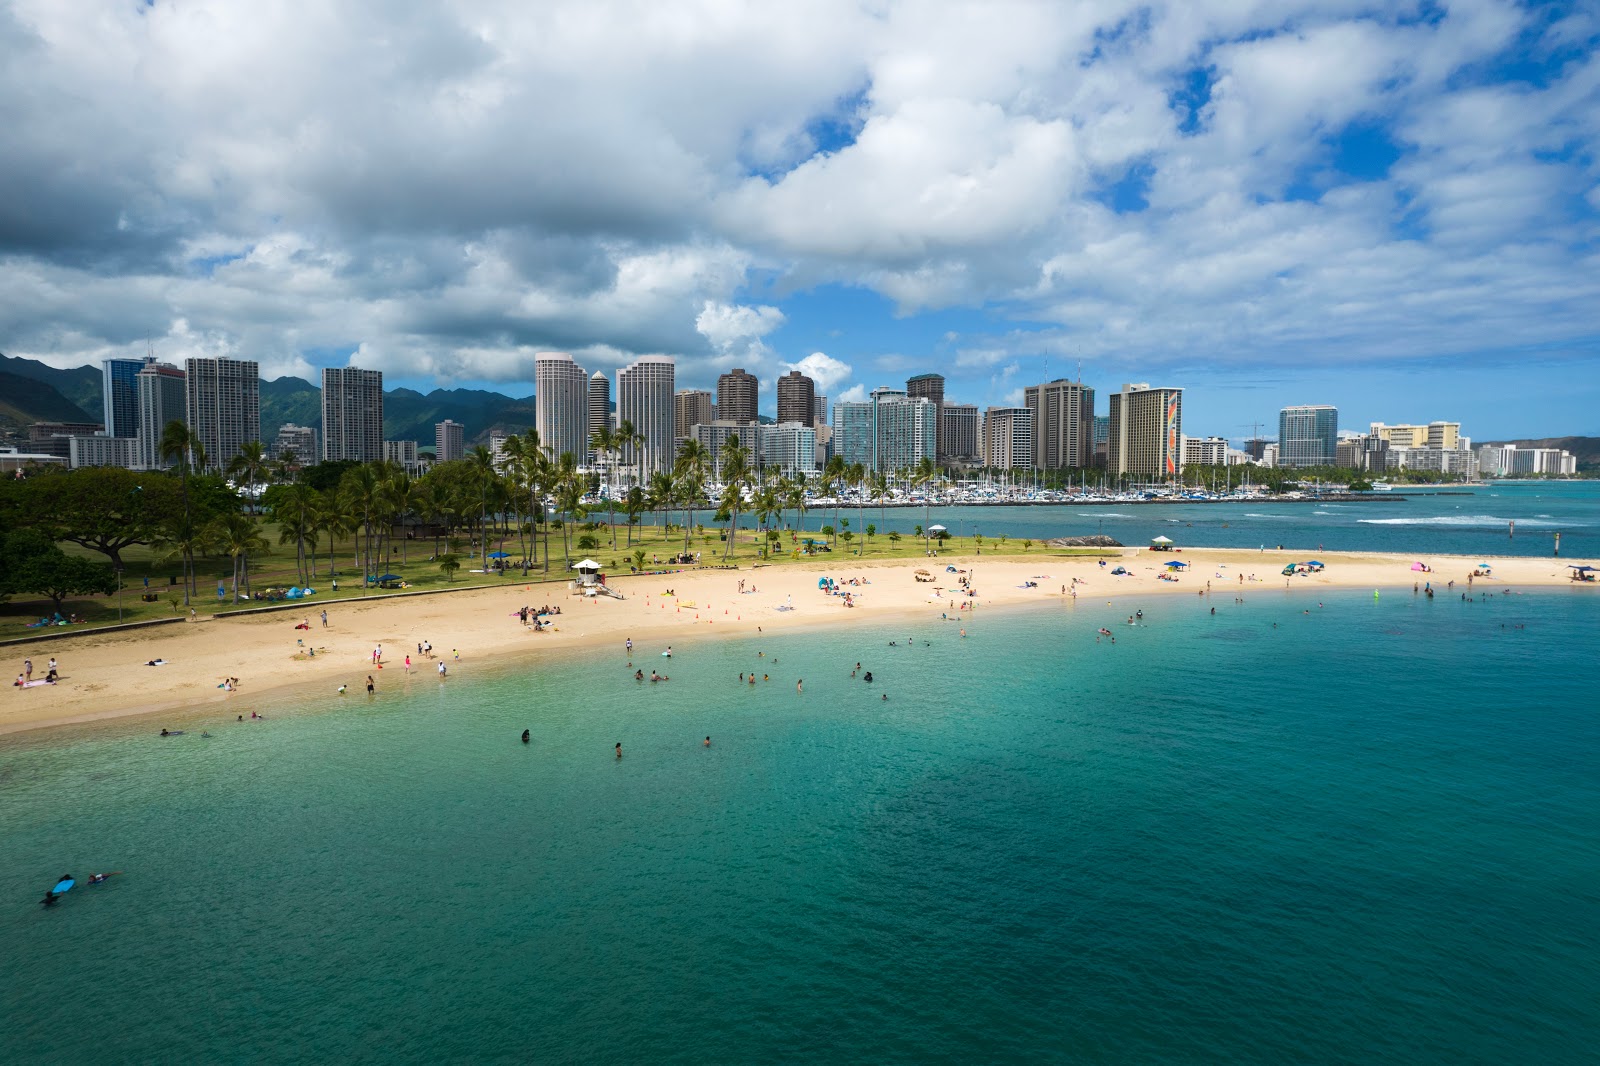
<point>1367,833</point>
<point>1475,523</point>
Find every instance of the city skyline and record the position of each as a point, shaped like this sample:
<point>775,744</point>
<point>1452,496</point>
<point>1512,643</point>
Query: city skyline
<point>1302,203</point>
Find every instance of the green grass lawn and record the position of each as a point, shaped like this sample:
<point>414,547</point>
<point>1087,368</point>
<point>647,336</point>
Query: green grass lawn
<point>412,563</point>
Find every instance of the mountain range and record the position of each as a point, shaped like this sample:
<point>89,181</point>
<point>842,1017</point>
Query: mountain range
<point>31,391</point>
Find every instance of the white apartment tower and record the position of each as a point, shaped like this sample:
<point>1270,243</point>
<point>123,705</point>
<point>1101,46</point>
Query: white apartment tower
<point>352,414</point>
<point>599,407</point>
<point>449,441</point>
<point>646,397</point>
<point>223,400</point>
<point>561,405</point>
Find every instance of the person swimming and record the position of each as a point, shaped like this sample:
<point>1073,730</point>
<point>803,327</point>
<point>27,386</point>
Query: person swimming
<point>867,677</point>
<point>619,749</point>
<point>525,736</point>
<point>708,742</point>
<point>638,675</point>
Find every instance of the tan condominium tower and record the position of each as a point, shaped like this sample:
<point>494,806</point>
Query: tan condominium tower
<point>738,394</point>
<point>690,408</point>
<point>449,441</point>
<point>561,405</point>
<point>797,398</point>
<point>1063,424</point>
<point>352,415</point>
<point>224,406</point>
<point>1146,432</point>
<point>646,398</point>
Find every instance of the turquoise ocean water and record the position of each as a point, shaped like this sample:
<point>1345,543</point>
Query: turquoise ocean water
<point>1465,521</point>
<point>1367,833</point>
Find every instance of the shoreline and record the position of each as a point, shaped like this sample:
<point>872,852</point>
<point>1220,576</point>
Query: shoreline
<point>104,676</point>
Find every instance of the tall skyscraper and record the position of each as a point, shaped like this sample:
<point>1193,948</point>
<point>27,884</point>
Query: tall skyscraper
<point>1063,424</point>
<point>1308,435</point>
<point>645,397</point>
<point>797,399</point>
<point>1008,437</point>
<point>561,405</point>
<point>960,430</point>
<point>691,407</point>
<point>738,396</point>
<point>820,418</point>
<point>1145,436</point>
<point>120,396</point>
<point>929,387</point>
<point>223,399</point>
<point>449,441</point>
<point>162,399</point>
<point>352,414</point>
<point>599,406</point>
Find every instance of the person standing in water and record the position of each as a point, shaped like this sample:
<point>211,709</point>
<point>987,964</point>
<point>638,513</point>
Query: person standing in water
<point>708,742</point>
<point>525,736</point>
<point>619,749</point>
<point>799,686</point>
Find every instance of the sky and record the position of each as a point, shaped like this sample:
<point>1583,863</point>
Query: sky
<point>1389,207</point>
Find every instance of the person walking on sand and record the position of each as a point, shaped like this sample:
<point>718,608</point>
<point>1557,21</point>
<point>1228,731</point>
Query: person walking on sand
<point>324,618</point>
<point>27,669</point>
<point>408,663</point>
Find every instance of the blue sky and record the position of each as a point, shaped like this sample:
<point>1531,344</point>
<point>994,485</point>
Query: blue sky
<point>1393,208</point>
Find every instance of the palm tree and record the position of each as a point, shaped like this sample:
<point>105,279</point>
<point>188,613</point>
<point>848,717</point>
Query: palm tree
<point>634,506</point>
<point>768,505</point>
<point>238,535</point>
<point>692,459</point>
<point>181,445</point>
<point>288,464</point>
<point>604,440</point>
<point>628,439</point>
<point>659,496</point>
<point>795,496</point>
<point>250,465</point>
<point>361,498</point>
<point>482,465</point>
<point>923,475</point>
<point>735,475</point>
<point>295,511</point>
<point>857,476</point>
<point>833,475</point>
<point>569,485</point>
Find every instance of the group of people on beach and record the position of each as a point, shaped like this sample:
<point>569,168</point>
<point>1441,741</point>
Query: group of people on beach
<point>25,678</point>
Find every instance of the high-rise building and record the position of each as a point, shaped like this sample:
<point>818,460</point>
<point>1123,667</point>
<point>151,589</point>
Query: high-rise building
<point>352,414</point>
<point>891,431</point>
<point>738,396</point>
<point>1145,435</point>
<point>1205,451</point>
<point>449,441</point>
<point>1008,437</point>
<point>403,453</point>
<point>646,397</point>
<point>690,408</point>
<point>161,394</point>
<point>1308,435</point>
<point>820,416</point>
<point>120,396</point>
<point>299,441</point>
<point>600,406</point>
<point>789,448</point>
<point>1063,424</point>
<point>960,430</point>
<point>223,399</point>
<point>929,387</point>
<point>797,398</point>
<point>561,405</point>
<point>102,451</point>
<point>1445,435</point>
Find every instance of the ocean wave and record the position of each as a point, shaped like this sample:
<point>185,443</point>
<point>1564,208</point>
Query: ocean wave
<point>1252,514</point>
<point>1106,514</point>
<point>1471,521</point>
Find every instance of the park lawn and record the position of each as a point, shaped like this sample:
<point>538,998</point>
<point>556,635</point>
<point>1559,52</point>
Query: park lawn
<point>142,563</point>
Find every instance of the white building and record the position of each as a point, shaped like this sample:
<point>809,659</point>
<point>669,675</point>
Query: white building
<point>449,441</point>
<point>561,405</point>
<point>1205,451</point>
<point>1462,462</point>
<point>403,453</point>
<point>788,448</point>
<point>103,451</point>
<point>223,402</point>
<point>301,440</point>
<point>1008,437</point>
<point>647,398</point>
<point>1499,460</point>
<point>352,414</point>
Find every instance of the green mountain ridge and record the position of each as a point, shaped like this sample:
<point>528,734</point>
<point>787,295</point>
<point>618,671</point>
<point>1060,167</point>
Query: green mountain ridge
<point>32,392</point>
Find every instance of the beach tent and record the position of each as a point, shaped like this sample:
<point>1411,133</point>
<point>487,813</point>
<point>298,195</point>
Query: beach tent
<point>390,577</point>
<point>937,529</point>
<point>1418,566</point>
<point>1315,563</point>
<point>499,555</point>
<point>1289,569</point>
<point>1176,565</point>
<point>1161,540</point>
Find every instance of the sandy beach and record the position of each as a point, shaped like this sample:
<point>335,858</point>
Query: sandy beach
<point>104,674</point>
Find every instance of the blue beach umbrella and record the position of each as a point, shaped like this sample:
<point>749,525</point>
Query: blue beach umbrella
<point>499,555</point>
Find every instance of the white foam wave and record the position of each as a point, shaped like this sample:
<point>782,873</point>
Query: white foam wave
<point>1470,521</point>
<point>1105,514</point>
<point>1252,514</point>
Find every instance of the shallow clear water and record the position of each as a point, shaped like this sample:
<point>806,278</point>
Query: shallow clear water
<point>1466,522</point>
<point>1367,833</point>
